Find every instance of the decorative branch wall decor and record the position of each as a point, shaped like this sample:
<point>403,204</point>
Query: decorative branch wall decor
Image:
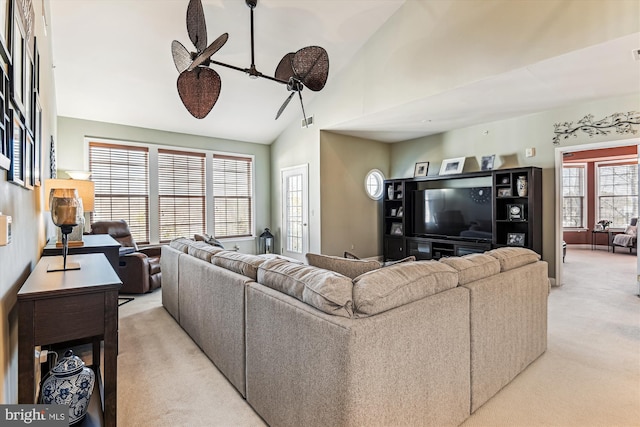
<point>620,122</point>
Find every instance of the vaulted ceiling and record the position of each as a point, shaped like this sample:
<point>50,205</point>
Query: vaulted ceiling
<point>113,64</point>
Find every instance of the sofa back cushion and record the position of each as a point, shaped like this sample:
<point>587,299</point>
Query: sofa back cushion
<point>244,264</point>
<point>202,250</point>
<point>473,267</point>
<point>511,258</point>
<point>181,244</point>
<point>346,266</point>
<point>400,284</point>
<point>325,290</point>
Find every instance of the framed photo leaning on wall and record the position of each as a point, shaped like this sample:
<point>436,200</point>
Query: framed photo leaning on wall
<point>421,169</point>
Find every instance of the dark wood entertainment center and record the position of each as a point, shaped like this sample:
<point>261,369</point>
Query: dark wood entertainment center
<point>515,220</point>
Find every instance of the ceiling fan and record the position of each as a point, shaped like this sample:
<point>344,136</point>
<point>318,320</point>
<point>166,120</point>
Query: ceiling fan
<point>199,86</point>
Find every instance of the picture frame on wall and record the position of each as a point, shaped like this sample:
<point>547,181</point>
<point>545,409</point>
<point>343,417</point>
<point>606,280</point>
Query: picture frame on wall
<point>28,161</point>
<point>18,79</point>
<point>421,169</point>
<point>452,166</point>
<point>16,173</point>
<point>37,134</point>
<point>515,239</point>
<point>5,29</point>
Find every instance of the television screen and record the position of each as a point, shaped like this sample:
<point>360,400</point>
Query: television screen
<point>453,212</point>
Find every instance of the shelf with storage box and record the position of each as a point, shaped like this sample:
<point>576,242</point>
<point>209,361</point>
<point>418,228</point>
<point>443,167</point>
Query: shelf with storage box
<point>518,208</point>
<point>462,214</point>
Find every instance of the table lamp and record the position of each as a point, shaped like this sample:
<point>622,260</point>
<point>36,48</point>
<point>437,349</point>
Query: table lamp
<point>65,207</point>
<point>86,191</point>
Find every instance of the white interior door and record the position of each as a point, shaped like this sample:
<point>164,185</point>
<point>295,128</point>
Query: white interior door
<point>295,212</point>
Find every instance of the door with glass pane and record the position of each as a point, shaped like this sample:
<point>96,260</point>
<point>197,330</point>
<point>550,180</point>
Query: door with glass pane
<point>295,220</point>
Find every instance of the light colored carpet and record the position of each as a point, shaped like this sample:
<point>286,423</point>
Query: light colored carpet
<point>589,376</point>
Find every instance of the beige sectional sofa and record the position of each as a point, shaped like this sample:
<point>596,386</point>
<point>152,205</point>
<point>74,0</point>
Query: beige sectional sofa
<point>415,343</point>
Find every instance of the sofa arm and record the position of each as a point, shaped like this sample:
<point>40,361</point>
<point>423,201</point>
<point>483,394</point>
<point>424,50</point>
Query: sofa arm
<point>134,272</point>
<point>151,251</point>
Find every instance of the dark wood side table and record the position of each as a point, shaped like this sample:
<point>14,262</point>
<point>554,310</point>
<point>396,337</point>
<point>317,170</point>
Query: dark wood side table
<point>63,306</point>
<point>93,243</point>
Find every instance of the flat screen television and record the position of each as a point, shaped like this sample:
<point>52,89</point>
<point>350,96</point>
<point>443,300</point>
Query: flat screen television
<point>461,213</point>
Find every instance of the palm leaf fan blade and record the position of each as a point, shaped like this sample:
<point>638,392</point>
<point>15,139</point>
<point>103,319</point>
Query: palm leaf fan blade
<point>196,25</point>
<point>199,90</point>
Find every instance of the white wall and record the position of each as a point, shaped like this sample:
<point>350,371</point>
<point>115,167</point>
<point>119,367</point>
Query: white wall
<point>430,47</point>
<point>73,155</point>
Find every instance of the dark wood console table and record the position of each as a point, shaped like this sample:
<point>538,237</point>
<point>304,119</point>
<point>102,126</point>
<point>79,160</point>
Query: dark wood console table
<point>71,305</point>
<point>93,243</point>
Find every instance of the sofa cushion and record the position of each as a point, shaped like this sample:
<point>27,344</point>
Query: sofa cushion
<point>325,290</point>
<point>511,258</point>
<point>181,244</point>
<point>202,250</point>
<point>399,284</point>
<point>244,264</point>
<point>473,267</point>
<point>346,266</point>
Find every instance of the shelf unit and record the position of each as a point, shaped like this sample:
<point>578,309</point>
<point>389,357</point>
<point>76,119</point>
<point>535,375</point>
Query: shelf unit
<point>399,240</point>
<point>521,226</point>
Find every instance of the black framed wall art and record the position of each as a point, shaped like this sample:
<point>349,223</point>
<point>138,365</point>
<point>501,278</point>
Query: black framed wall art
<point>17,141</point>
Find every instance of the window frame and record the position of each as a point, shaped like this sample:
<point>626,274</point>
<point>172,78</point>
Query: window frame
<point>598,195</point>
<point>585,196</point>
<point>154,214</point>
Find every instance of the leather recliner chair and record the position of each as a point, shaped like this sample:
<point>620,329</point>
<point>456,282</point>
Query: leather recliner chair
<point>139,269</point>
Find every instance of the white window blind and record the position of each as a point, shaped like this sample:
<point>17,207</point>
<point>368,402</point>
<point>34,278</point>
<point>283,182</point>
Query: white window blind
<point>232,196</point>
<point>617,193</point>
<point>573,200</point>
<point>121,177</point>
<point>181,191</point>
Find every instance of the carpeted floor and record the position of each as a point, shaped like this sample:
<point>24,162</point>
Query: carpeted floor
<point>589,376</point>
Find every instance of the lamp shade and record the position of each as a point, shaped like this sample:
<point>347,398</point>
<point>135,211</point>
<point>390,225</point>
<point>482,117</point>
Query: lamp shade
<point>86,190</point>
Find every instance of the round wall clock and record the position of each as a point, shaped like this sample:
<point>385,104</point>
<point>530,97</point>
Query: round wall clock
<point>480,195</point>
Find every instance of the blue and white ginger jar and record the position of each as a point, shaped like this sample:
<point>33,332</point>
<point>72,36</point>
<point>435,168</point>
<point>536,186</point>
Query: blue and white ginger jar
<point>70,383</point>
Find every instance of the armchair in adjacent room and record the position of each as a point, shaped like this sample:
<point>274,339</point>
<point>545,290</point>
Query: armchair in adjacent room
<point>628,238</point>
<point>139,269</point>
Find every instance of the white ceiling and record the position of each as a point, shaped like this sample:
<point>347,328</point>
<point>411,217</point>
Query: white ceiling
<point>113,59</point>
<point>113,64</point>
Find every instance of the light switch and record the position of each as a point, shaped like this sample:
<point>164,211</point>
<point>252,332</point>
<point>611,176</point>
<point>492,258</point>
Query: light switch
<point>5,229</point>
<point>530,152</point>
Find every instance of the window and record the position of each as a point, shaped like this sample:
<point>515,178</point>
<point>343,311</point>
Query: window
<point>373,183</point>
<point>232,196</point>
<point>166,192</point>
<point>181,193</point>
<point>617,193</point>
<point>573,195</point>
<point>120,174</point>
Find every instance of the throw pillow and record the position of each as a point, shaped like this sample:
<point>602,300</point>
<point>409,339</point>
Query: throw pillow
<point>208,239</point>
<point>631,230</point>
<point>351,268</point>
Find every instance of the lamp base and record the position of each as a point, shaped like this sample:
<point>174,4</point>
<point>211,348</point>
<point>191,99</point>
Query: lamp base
<point>60,267</point>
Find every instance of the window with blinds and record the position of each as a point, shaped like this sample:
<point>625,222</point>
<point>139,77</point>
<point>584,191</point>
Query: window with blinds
<point>617,193</point>
<point>121,177</point>
<point>573,197</point>
<point>181,192</point>
<point>232,196</point>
